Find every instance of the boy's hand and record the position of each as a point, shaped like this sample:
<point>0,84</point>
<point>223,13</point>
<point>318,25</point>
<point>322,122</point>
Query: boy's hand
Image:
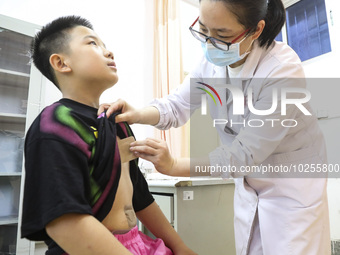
<point>128,113</point>
<point>155,151</point>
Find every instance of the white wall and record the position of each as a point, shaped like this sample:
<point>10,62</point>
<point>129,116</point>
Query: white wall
<point>191,48</point>
<point>126,29</point>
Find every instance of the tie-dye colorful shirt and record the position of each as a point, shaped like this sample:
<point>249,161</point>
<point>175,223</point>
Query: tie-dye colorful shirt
<point>72,165</point>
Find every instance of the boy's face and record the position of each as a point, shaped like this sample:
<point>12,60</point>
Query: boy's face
<point>89,60</point>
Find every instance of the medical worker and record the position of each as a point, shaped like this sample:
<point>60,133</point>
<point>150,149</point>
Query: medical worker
<point>279,215</point>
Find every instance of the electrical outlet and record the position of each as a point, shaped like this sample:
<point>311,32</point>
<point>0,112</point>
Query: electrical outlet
<point>322,114</point>
<point>188,195</point>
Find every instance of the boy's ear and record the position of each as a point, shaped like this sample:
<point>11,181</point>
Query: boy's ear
<point>59,64</point>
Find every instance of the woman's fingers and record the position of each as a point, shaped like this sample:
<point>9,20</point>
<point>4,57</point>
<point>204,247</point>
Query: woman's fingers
<point>127,112</point>
<point>145,156</point>
<point>102,108</point>
<point>118,106</point>
<point>127,116</point>
<point>155,151</point>
<point>149,142</point>
<point>144,149</point>
<point>110,108</point>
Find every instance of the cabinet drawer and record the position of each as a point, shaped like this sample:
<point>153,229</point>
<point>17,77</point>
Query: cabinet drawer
<point>166,203</point>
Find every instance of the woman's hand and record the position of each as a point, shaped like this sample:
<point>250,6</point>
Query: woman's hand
<point>148,115</point>
<point>155,151</point>
<point>128,113</point>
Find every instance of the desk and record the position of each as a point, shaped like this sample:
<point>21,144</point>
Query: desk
<point>200,210</point>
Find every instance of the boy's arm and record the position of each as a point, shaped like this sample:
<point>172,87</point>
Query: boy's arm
<point>84,235</point>
<point>153,218</point>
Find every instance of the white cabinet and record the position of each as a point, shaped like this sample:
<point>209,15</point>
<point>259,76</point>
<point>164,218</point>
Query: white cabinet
<point>200,210</point>
<point>20,91</point>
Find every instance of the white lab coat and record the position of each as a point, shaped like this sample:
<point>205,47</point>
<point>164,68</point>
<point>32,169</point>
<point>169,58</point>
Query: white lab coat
<point>273,216</point>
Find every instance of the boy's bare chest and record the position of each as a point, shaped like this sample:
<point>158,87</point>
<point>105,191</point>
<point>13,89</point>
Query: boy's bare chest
<point>122,216</point>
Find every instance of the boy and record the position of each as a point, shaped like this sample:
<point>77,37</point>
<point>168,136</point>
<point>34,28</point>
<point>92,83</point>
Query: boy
<point>81,195</point>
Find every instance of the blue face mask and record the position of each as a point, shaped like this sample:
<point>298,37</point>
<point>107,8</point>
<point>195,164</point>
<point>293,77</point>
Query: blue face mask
<point>223,58</point>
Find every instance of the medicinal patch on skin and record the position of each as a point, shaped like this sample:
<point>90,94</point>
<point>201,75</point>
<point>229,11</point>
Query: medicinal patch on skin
<point>124,149</point>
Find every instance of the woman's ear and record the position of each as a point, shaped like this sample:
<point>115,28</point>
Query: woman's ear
<point>59,64</point>
<point>259,29</point>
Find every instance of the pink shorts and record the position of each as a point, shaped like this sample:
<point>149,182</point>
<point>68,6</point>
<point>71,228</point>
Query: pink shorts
<point>141,244</point>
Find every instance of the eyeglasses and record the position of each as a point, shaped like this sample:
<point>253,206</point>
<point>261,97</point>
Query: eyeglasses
<point>219,44</point>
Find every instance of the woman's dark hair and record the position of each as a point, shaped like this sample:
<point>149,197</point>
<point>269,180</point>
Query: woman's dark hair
<point>250,12</point>
<point>53,38</point>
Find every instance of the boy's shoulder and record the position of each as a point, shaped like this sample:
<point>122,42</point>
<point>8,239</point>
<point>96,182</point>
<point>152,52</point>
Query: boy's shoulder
<point>44,118</point>
<point>60,122</point>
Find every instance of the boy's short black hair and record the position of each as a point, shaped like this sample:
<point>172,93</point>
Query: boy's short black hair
<point>53,38</point>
